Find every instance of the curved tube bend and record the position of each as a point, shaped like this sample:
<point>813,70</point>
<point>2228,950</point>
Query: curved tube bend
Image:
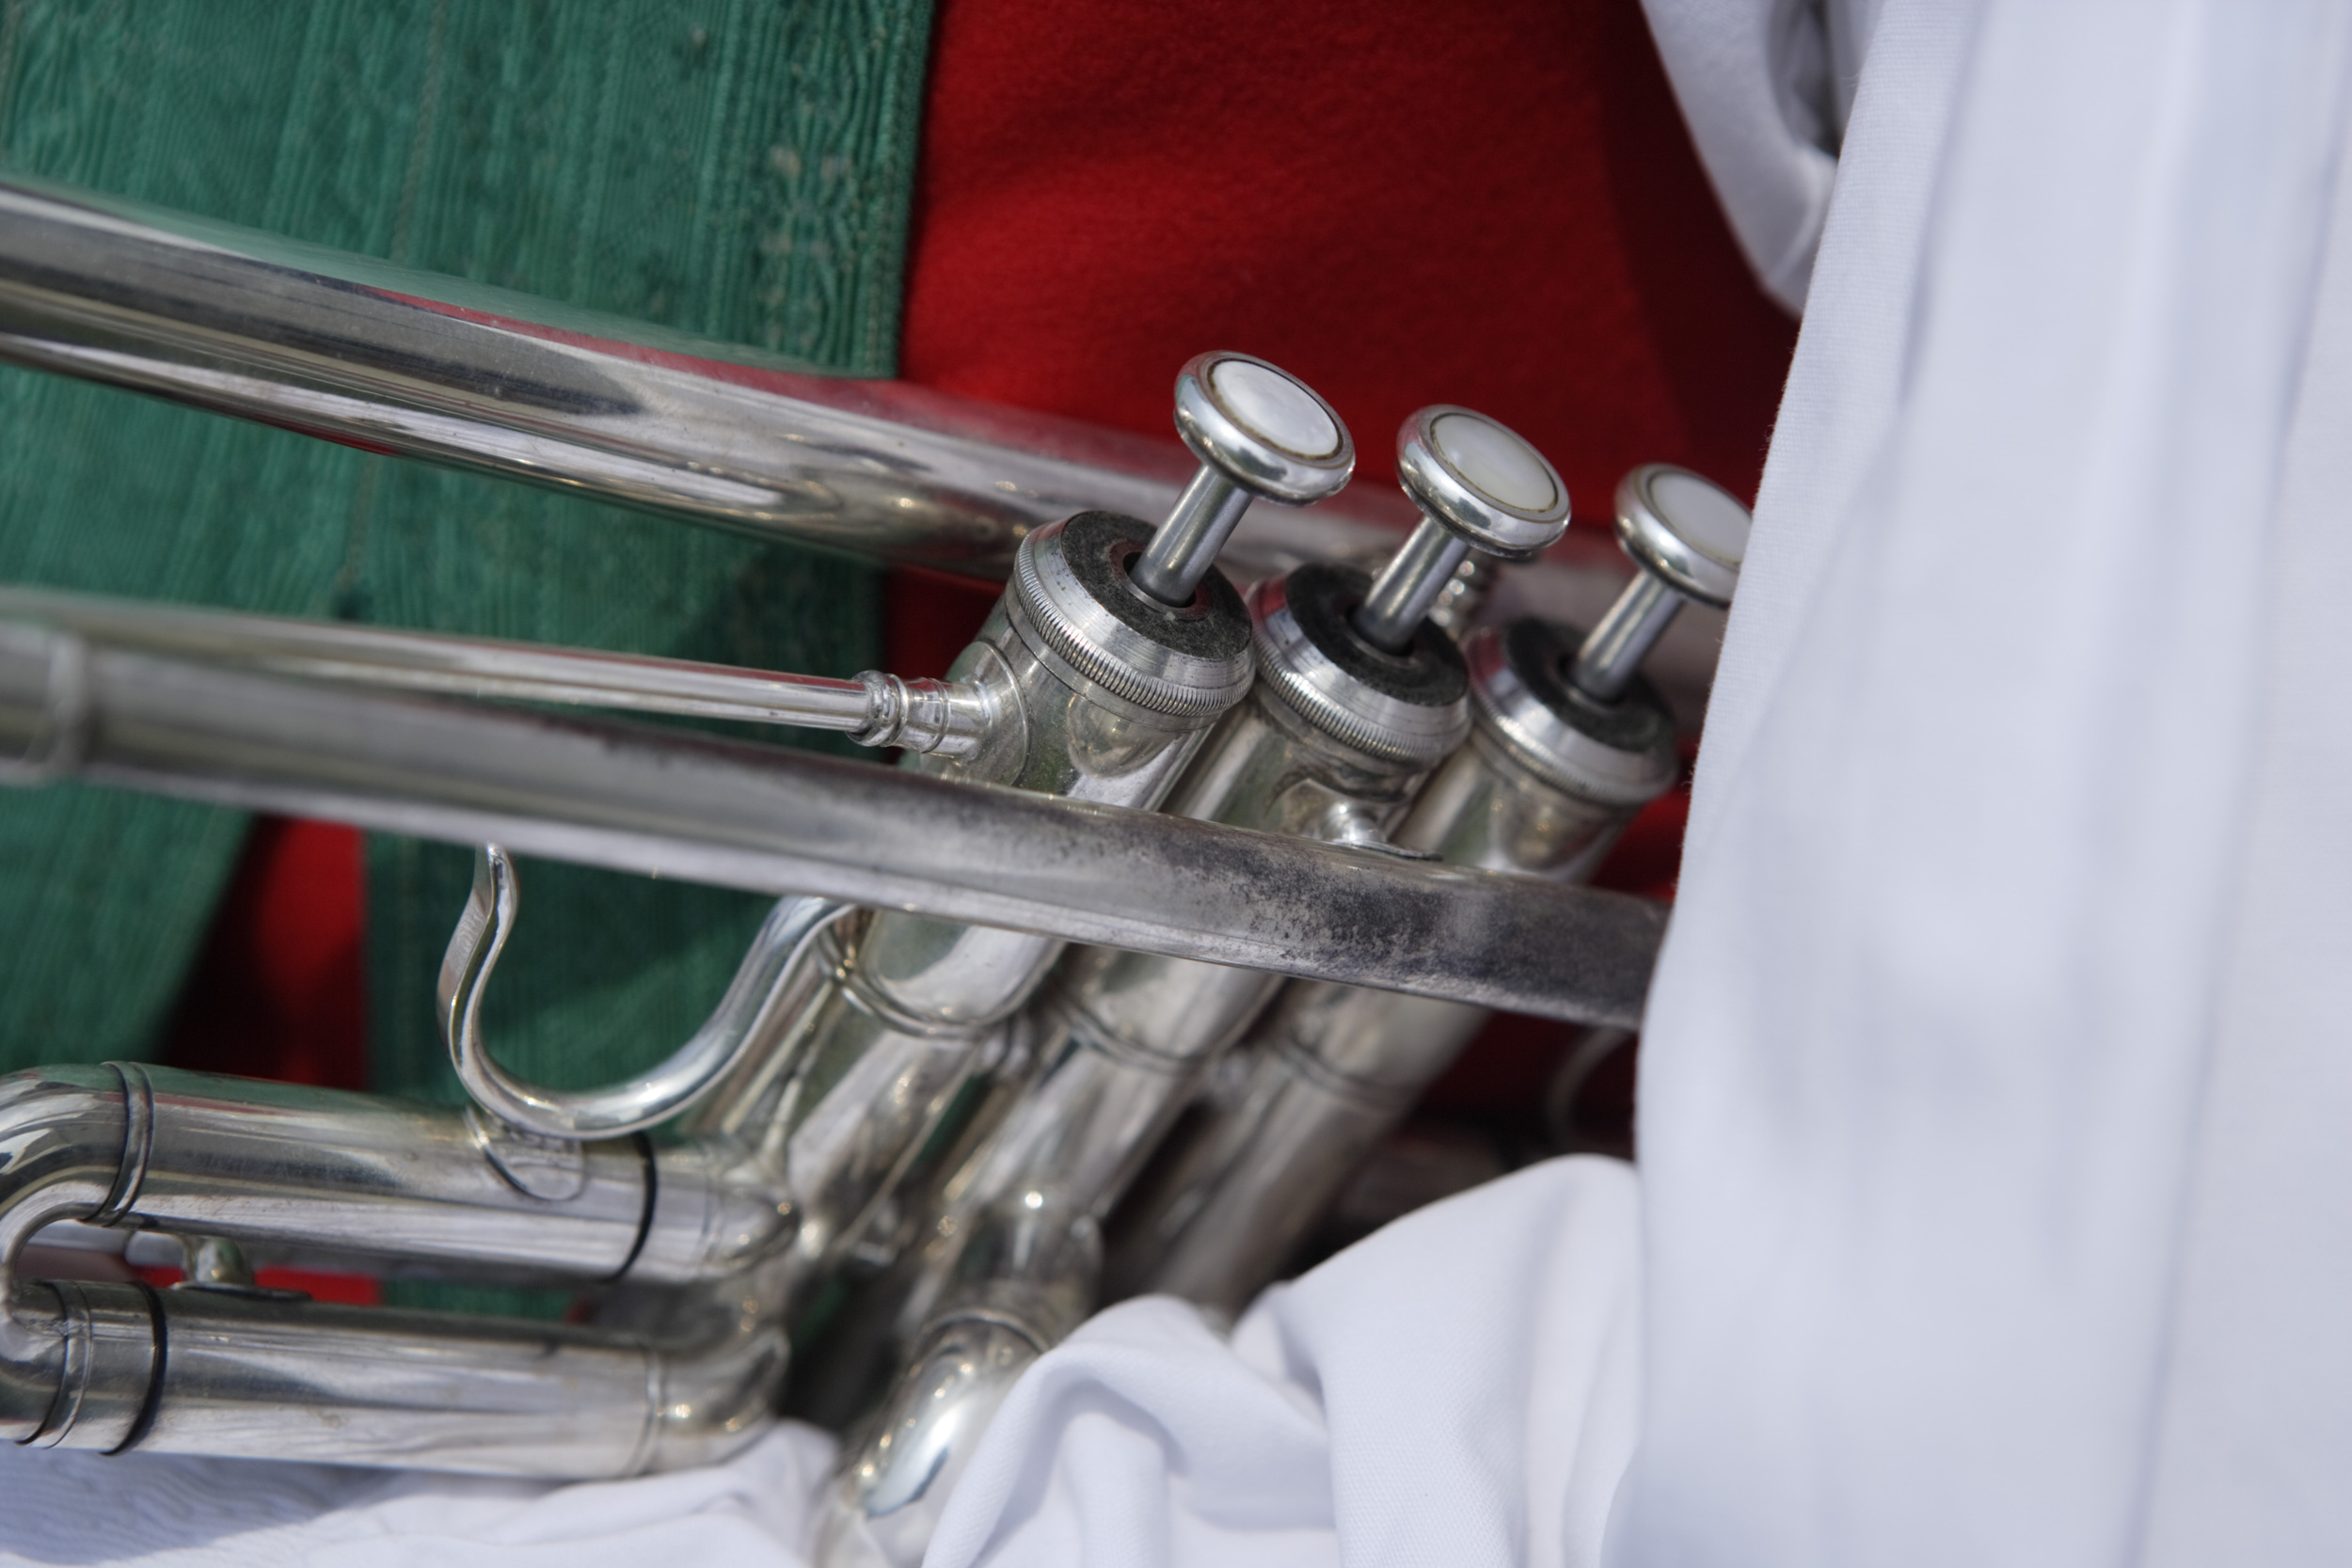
<point>115,1366</point>
<point>63,1138</point>
<point>756,994</point>
<point>1023,1280</point>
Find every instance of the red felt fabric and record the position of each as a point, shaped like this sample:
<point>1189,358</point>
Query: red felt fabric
<point>280,991</point>
<point>1494,204</point>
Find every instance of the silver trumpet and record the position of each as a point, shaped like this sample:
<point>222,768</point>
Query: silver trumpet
<point>1201,791</point>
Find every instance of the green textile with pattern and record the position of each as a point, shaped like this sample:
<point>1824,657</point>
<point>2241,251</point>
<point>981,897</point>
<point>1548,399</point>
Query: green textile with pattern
<point>732,167</point>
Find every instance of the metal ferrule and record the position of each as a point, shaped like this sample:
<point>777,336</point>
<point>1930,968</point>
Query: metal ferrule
<point>924,715</point>
<point>1549,779</point>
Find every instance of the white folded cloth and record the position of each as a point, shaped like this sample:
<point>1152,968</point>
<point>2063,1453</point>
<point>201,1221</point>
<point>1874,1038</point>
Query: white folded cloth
<point>1994,1086</point>
<point>161,1511</point>
<point>1767,87</point>
<point>1457,1390</point>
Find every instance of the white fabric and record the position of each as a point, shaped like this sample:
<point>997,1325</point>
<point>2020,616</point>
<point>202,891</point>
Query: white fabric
<point>1764,87</point>
<point>1920,1111</point>
<point>2257,1435</point>
<point>1458,1389</point>
<point>166,1512</point>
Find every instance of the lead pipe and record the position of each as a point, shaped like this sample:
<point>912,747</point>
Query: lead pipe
<point>873,708</point>
<point>433,368</point>
<point>774,821</point>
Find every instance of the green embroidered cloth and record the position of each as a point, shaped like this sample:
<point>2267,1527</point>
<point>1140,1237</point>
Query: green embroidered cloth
<point>731,167</point>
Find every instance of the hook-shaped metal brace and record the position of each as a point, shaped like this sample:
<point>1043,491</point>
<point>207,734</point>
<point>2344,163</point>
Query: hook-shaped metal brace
<point>764,977</point>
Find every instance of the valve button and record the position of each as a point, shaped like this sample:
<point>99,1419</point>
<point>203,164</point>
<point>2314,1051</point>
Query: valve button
<point>1258,431</point>
<point>1688,536</point>
<point>1688,530</point>
<point>1481,481</point>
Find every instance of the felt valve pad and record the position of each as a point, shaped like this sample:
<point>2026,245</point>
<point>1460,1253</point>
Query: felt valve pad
<point>1541,652</point>
<point>1098,547</point>
<point>1428,673</point>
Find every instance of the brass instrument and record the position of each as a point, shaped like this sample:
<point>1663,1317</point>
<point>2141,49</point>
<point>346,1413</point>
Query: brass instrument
<point>910,1087</point>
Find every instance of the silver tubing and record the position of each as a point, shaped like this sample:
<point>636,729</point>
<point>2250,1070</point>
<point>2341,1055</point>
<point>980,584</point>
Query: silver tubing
<point>1104,696</point>
<point>324,1175</point>
<point>772,982</point>
<point>351,349</point>
<point>1024,1280</point>
<point>62,1161</point>
<point>232,1375</point>
<point>1609,658</point>
<point>1408,585</point>
<point>231,1372</point>
<point>768,820</point>
<point>254,1379</point>
<point>873,709</point>
<point>1328,746</point>
<point>355,350</point>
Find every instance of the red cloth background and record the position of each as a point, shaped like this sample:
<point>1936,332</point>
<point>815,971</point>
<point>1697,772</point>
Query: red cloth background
<point>1490,204</point>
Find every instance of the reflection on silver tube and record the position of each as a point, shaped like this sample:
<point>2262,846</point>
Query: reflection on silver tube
<point>357,350</point>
